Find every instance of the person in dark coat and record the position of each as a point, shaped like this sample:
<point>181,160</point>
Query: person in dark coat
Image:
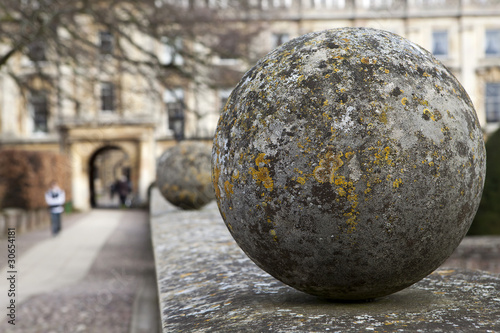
<point>122,187</point>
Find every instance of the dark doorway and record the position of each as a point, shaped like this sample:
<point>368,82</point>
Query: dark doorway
<point>106,166</point>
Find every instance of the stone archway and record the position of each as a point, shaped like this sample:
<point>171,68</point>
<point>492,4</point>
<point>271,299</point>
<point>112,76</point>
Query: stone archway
<point>85,144</point>
<point>106,166</point>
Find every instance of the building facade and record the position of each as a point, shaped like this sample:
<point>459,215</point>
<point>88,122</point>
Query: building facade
<point>117,110</point>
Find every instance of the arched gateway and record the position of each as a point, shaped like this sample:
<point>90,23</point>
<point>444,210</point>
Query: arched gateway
<point>85,147</point>
<point>106,166</point>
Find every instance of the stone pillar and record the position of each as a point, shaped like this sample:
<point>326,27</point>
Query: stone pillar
<point>11,217</point>
<point>36,219</point>
<point>80,180</point>
<point>469,54</point>
<point>3,226</point>
<point>22,221</point>
<point>31,219</point>
<point>42,218</point>
<point>147,165</point>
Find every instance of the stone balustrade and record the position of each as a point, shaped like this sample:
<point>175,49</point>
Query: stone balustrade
<point>23,220</point>
<point>207,284</point>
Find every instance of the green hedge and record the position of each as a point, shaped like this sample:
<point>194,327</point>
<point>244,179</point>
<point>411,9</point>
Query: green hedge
<point>487,220</point>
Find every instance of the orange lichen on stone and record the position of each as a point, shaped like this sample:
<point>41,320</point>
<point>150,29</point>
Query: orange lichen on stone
<point>397,182</point>
<point>382,156</point>
<point>215,179</point>
<point>383,117</point>
<point>349,154</point>
<point>325,171</point>
<point>428,114</point>
<point>273,233</point>
<point>228,188</point>
<point>262,175</point>
<point>434,116</point>
<point>261,159</point>
<point>387,151</point>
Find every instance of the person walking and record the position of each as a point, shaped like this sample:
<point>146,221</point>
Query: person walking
<point>123,189</point>
<point>55,197</point>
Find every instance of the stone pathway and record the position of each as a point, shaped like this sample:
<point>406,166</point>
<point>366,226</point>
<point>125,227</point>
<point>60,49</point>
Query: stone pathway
<point>93,277</point>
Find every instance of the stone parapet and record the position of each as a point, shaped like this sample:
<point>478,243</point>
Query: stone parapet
<point>23,220</point>
<point>207,284</point>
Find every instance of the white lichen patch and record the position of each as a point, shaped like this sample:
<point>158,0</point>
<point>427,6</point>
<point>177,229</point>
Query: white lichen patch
<point>345,123</point>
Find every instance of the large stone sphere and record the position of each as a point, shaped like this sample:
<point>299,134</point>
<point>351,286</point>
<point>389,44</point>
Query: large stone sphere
<point>348,163</point>
<point>183,175</point>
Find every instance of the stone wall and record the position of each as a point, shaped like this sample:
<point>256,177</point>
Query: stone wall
<point>207,284</point>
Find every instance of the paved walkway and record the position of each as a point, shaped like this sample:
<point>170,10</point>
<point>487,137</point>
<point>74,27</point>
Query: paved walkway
<point>56,267</point>
<point>63,259</point>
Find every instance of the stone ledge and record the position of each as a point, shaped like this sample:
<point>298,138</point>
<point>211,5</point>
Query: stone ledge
<point>23,220</point>
<point>207,284</point>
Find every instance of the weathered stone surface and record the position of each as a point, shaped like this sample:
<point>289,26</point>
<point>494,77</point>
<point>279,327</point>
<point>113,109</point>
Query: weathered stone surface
<point>348,163</point>
<point>183,175</point>
<point>207,284</point>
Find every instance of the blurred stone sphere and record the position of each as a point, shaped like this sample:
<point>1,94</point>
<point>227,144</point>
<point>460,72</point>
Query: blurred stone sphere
<point>183,175</point>
<point>348,163</point>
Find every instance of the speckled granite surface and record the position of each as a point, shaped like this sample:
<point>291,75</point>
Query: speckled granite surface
<point>207,284</point>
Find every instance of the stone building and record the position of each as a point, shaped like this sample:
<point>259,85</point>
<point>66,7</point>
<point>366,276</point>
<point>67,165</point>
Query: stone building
<point>118,126</point>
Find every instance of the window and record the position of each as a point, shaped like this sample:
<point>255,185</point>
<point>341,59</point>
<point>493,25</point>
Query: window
<point>377,4</point>
<point>432,3</point>
<point>339,4</point>
<point>324,3</point>
<point>40,111</point>
<point>171,51</point>
<point>107,96</point>
<point>279,39</point>
<point>217,3</point>
<point>492,100</point>
<point>174,102</point>
<point>105,42</point>
<point>440,43</point>
<point>36,51</point>
<point>492,42</point>
<point>229,47</point>
<point>282,3</point>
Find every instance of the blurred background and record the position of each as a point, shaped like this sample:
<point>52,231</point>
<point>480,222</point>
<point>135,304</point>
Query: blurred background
<point>94,90</point>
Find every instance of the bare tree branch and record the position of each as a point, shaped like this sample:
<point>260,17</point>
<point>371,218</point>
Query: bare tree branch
<point>142,31</point>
